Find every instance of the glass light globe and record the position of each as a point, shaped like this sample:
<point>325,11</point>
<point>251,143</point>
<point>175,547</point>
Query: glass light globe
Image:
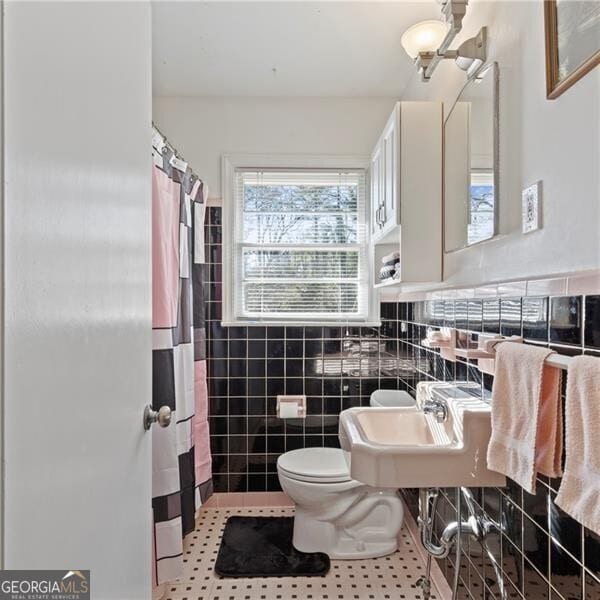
<point>425,36</point>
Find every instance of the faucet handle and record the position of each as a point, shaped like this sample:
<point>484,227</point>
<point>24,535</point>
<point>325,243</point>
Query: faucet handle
<point>438,408</point>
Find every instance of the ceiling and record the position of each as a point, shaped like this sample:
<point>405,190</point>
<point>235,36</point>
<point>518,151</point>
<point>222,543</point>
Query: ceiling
<point>283,48</point>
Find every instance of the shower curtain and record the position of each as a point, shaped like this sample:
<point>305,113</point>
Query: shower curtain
<point>181,461</point>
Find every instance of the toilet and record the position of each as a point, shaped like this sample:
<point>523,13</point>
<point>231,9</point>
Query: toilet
<point>335,514</point>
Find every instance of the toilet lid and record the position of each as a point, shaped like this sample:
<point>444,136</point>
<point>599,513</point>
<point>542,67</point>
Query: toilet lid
<point>315,464</point>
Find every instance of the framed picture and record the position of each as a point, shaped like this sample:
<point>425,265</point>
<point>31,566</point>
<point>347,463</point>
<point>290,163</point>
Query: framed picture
<point>572,42</point>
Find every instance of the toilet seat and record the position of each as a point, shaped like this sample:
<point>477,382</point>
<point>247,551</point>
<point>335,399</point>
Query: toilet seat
<point>315,465</point>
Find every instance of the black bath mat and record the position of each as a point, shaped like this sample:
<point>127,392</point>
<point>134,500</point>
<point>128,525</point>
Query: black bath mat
<point>262,547</point>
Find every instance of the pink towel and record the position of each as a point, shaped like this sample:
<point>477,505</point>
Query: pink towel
<point>579,493</point>
<point>526,416</point>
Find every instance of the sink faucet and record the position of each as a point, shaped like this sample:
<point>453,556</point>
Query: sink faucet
<point>438,408</point>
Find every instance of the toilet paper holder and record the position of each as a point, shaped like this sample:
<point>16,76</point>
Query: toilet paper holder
<point>291,407</point>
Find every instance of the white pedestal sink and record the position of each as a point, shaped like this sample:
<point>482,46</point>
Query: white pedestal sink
<point>405,447</point>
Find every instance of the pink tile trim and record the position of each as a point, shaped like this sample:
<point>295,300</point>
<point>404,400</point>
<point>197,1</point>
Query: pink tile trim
<point>518,288</point>
<point>411,296</point>
<point>547,287</point>
<point>465,293</point>
<point>248,499</point>
<point>583,284</point>
<point>575,284</point>
<point>486,291</point>
<point>212,502</point>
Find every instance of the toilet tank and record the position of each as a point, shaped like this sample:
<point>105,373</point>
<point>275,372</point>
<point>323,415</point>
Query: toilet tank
<point>391,398</point>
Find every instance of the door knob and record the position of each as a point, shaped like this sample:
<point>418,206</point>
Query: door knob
<point>162,416</point>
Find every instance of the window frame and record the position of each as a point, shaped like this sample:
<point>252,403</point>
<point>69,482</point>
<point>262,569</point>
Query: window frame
<point>230,165</point>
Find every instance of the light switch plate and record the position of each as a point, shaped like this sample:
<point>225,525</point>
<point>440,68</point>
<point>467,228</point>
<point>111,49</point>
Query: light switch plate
<point>532,207</point>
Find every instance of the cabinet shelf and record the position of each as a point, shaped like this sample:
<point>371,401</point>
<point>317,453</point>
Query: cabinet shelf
<point>387,283</point>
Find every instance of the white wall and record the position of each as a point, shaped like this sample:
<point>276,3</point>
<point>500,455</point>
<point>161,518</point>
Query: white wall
<point>557,141</point>
<point>204,128</point>
<point>77,108</point>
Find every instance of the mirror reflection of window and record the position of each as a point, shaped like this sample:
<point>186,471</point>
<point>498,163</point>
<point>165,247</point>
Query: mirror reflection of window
<point>481,206</point>
<point>471,162</point>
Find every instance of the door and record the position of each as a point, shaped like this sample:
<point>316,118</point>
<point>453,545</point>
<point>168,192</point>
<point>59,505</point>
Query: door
<point>77,344</point>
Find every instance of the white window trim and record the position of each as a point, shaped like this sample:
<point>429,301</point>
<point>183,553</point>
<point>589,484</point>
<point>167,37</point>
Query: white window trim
<point>230,163</point>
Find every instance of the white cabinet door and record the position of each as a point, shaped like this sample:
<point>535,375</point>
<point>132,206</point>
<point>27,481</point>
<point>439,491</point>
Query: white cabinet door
<point>391,170</point>
<point>376,191</point>
<point>77,338</point>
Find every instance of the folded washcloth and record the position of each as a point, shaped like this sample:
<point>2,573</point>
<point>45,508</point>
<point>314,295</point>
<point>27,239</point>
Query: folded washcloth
<point>393,256</point>
<point>526,417</point>
<point>579,490</point>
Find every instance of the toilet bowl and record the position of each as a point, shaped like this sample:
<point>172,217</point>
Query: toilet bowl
<point>335,514</point>
<point>390,398</point>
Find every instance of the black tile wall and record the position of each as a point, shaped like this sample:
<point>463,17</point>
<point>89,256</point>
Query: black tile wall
<point>510,316</point>
<point>336,367</point>
<point>541,552</point>
<point>565,320</point>
<point>592,322</point>
<point>491,315</point>
<point>535,319</point>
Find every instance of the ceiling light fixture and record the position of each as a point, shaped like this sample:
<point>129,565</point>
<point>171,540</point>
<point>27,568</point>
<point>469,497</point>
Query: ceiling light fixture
<point>427,42</point>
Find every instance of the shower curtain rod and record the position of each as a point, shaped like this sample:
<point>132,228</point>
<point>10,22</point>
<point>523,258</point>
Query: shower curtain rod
<point>173,149</point>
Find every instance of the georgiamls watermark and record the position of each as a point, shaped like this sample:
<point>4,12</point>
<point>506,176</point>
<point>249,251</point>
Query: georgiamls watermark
<point>45,585</point>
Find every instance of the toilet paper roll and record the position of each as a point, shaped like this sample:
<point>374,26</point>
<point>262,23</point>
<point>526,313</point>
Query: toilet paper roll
<point>289,410</point>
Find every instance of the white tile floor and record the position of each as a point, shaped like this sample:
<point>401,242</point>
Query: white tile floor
<point>394,576</point>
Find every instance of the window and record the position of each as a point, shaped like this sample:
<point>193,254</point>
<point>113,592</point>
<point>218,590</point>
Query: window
<point>297,248</point>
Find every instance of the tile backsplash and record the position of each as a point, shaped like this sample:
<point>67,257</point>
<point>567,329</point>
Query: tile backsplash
<point>541,552</point>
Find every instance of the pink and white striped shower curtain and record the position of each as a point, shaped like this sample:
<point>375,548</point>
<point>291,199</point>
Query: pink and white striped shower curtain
<point>181,460</point>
